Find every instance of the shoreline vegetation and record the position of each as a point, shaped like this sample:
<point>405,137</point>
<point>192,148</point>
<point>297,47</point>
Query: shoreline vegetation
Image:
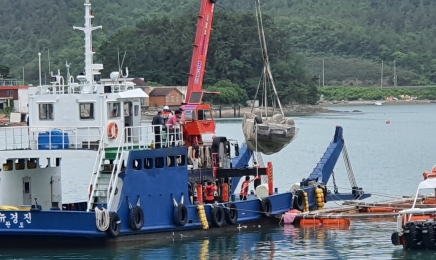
<point>332,97</point>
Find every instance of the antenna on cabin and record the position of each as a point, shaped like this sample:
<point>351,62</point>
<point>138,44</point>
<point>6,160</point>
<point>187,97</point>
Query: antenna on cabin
<point>68,71</point>
<point>39,58</point>
<point>48,54</point>
<point>120,67</point>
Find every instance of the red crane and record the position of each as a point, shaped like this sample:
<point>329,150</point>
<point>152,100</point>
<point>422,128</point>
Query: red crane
<point>198,116</point>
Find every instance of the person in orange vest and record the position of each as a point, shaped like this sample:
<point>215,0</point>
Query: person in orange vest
<point>209,190</point>
<point>244,188</point>
<point>257,179</point>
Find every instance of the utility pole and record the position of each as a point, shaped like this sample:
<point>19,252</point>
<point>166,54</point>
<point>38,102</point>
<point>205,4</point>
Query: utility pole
<point>319,80</point>
<point>381,78</point>
<point>395,75</point>
<point>323,72</point>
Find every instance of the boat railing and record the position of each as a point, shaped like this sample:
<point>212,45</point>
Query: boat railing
<point>150,136</point>
<point>50,138</point>
<point>58,88</point>
<point>140,138</point>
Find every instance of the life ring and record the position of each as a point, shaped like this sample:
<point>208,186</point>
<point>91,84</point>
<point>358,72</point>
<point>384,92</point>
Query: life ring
<point>114,225</point>
<point>298,200</point>
<point>266,207</point>
<point>136,218</point>
<point>217,216</point>
<point>180,215</point>
<point>112,130</point>
<point>231,214</point>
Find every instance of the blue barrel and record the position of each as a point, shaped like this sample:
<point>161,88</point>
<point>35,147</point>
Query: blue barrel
<point>54,139</point>
<point>44,141</point>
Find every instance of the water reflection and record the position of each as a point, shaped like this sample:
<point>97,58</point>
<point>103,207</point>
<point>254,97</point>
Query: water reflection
<point>364,240</point>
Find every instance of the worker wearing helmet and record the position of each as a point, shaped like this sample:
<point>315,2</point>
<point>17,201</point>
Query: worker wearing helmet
<point>166,114</point>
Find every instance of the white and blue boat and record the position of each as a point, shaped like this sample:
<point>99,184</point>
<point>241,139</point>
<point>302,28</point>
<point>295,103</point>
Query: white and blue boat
<point>136,189</point>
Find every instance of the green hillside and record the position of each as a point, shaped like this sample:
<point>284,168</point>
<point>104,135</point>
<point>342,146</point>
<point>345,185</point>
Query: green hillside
<point>353,35</point>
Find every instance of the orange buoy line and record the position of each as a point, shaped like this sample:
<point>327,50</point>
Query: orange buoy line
<point>324,222</point>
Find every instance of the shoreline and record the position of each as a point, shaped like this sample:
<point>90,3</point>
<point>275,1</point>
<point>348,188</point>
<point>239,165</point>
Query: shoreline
<point>372,103</point>
<point>299,110</point>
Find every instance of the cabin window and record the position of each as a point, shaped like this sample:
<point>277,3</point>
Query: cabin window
<point>148,163</point>
<point>189,115</point>
<point>10,93</point>
<point>86,110</point>
<point>171,161</point>
<point>172,98</point>
<point>181,160</point>
<point>46,111</point>
<point>136,110</point>
<point>136,164</point>
<point>204,115</point>
<point>113,109</point>
<point>160,162</point>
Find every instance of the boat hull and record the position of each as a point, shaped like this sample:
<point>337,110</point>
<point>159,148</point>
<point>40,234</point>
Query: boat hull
<point>73,228</point>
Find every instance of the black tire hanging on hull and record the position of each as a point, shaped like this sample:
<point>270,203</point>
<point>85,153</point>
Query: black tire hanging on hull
<point>114,225</point>
<point>180,216</point>
<point>217,216</point>
<point>231,213</point>
<point>136,218</point>
<point>265,207</point>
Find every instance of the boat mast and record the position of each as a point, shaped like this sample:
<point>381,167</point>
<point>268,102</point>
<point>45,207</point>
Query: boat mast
<point>89,51</point>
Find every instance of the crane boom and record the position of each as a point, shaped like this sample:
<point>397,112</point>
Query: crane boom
<point>194,92</point>
<point>198,116</point>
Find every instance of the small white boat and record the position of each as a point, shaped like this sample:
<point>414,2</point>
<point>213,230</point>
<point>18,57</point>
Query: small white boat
<point>378,103</point>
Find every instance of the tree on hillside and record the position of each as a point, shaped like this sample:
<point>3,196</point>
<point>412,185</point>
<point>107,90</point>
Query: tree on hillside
<point>4,71</point>
<point>230,94</point>
<point>160,49</point>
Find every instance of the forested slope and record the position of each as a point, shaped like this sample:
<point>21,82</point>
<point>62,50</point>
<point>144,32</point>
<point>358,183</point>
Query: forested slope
<point>348,33</point>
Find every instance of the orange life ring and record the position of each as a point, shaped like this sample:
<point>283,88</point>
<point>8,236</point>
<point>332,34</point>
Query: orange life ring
<point>112,130</point>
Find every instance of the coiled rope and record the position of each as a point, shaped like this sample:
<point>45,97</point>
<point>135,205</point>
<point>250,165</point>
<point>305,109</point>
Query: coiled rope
<point>102,219</point>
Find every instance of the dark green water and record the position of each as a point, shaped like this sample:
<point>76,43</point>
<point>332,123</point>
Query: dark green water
<point>388,161</point>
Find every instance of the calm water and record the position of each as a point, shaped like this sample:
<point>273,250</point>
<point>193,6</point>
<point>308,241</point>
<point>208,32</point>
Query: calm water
<point>388,161</point>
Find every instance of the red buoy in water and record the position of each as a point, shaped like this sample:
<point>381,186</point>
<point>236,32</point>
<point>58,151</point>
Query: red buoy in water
<point>388,122</point>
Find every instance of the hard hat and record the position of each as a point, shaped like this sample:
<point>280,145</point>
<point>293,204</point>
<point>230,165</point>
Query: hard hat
<point>166,108</point>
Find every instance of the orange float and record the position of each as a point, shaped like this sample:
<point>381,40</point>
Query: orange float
<point>336,222</point>
<point>380,209</point>
<point>407,218</point>
<point>225,192</point>
<point>310,222</point>
<point>199,188</point>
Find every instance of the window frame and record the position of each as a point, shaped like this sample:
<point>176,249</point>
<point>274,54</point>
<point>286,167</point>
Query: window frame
<point>110,106</point>
<point>48,115</point>
<point>91,111</point>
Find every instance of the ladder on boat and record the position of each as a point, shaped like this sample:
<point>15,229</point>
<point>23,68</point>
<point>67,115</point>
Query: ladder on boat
<point>103,185</point>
